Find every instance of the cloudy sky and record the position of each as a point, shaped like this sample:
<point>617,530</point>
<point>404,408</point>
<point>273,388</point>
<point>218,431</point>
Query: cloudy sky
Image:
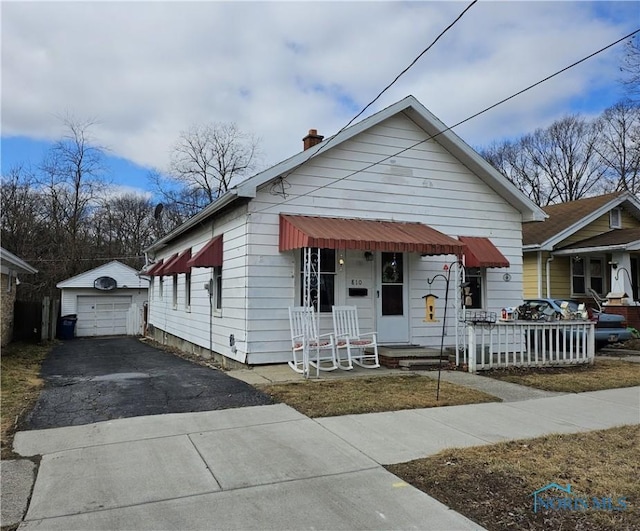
<point>145,71</point>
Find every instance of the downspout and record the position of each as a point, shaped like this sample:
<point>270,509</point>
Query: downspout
<point>548,271</point>
<point>210,290</point>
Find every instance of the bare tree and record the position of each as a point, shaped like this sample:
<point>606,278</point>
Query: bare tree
<point>122,227</point>
<point>25,227</point>
<point>512,160</point>
<point>619,145</point>
<point>70,179</point>
<point>20,211</point>
<point>555,164</point>
<point>206,160</point>
<point>566,153</point>
<point>631,66</point>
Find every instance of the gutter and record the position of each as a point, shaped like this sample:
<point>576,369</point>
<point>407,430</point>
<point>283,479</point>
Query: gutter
<point>224,200</point>
<point>599,249</point>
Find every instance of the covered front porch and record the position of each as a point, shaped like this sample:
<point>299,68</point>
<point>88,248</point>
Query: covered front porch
<point>411,284</point>
<point>604,272</point>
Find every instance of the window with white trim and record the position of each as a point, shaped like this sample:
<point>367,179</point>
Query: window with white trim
<point>615,218</point>
<point>187,291</point>
<point>175,292</point>
<point>473,288</point>
<point>327,275</point>
<point>587,273</point>
<point>216,290</point>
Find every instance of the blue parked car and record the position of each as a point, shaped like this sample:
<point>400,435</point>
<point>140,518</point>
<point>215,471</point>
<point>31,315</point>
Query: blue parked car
<point>610,327</point>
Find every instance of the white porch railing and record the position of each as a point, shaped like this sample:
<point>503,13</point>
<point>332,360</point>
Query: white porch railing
<point>527,344</point>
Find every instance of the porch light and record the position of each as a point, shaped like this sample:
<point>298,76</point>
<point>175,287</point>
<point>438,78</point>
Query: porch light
<point>368,256</point>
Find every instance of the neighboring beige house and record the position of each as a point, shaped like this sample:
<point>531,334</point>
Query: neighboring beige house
<point>592,243</point>
<point>10,267</point>
<point>370,215</point>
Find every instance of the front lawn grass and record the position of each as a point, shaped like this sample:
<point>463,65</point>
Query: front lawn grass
<point>21,385</point>
<point>493,485</point>
<point>328,398</point>
<point>603,374</point>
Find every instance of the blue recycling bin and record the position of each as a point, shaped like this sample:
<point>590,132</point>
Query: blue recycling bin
<point>67,326</point>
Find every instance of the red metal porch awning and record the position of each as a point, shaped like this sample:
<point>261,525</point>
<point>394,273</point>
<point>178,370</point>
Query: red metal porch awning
<point>209,256</point>
<point>480,252</point>
<point>155,268</point>
<point>178,265</point>
<point>167,263</point>
<point>367,235</point>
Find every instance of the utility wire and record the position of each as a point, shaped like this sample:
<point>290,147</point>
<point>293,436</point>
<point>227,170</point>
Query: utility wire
<point>324,146</point>
<point>486,109</point>
<point>83,259</point>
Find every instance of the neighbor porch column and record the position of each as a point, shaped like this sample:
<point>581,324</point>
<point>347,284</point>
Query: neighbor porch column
<point>621,274</point>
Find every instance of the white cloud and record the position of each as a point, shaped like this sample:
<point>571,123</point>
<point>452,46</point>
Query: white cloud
<point>148,70</point>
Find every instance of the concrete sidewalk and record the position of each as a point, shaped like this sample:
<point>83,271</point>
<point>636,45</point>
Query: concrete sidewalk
<point>269,467</point>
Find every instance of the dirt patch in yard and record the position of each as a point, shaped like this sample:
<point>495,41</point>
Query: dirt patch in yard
<point>603,374</point>
<point>494,485</point>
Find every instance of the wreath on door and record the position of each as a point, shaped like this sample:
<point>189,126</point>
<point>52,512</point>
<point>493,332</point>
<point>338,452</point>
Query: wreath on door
<point>390,272</point>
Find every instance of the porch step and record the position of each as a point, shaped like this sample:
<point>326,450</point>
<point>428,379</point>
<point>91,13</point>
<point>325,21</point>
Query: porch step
<point>421,364</point>
<point>413,356</point>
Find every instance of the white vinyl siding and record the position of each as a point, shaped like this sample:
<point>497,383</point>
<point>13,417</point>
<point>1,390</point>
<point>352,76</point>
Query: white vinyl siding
<point>424,184</point>
<point>199,326</point>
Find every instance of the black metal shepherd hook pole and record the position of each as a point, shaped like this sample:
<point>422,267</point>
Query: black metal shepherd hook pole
<point>447,280</point>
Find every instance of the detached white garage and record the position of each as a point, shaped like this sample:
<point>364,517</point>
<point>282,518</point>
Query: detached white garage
<point>108,300</point>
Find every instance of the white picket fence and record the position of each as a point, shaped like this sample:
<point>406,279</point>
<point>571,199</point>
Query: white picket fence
<point>526,344</point>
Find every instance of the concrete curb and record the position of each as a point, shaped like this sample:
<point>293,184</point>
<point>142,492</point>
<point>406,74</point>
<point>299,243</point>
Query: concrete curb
<point>17,477</point>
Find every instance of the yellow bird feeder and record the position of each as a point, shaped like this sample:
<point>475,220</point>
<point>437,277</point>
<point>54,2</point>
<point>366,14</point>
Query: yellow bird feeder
<point>430,308</point>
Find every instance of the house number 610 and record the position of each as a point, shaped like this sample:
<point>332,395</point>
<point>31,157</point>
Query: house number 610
<point>356,282</point>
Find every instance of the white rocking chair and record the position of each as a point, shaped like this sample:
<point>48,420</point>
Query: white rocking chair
<point>307,346</point>
<point>348,337</point>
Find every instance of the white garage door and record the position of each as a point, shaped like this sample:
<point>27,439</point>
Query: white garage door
<point>102,316</point>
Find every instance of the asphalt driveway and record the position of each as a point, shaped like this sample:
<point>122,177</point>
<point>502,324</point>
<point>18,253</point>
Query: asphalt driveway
<point>92,380</point>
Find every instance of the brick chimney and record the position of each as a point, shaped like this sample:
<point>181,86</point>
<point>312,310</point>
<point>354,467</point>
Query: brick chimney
<point>312,139</point>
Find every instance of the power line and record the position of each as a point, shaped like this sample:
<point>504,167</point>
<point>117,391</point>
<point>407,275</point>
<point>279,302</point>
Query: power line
<point>83,259</point>
<point>324,146</point>
<point>449,128</point>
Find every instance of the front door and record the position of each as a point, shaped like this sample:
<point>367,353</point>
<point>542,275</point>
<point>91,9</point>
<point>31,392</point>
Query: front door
<point>392,300</point>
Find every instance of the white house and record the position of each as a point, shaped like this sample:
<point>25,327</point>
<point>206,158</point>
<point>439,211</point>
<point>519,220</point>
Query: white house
<point>108,300</point>
<point>385,206</point>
